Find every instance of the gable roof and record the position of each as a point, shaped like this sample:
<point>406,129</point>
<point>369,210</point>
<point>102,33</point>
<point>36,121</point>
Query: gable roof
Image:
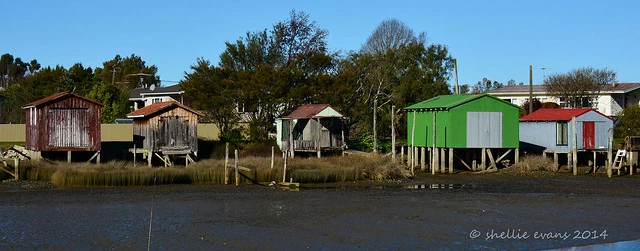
<point>56,97</point>
<point>558,114</point>
<point>541,89</point>
<point>156,107</point>
<point>446,102</point>
<point>310,111</point>
<point>139,93</point>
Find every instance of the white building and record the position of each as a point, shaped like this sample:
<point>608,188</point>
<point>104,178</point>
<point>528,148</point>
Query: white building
<point>610,101</point>
<point>141,97</point>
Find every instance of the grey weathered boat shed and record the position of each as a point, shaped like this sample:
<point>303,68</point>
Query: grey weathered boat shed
<point>165,129</point>
<point>312,128</point>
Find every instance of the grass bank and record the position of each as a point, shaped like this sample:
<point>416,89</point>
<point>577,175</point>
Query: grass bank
<point>211,171</point>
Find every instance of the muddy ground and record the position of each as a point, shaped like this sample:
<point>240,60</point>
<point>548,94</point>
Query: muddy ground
<point>460,211</point>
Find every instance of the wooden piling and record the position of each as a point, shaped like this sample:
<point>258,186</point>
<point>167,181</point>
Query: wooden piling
<point>226,164</point>
<point>284,169</point>
<point>483,157</point>
<point>16,163</point>
<point>422,159</point>
<point>443,155</point>
<point>68,156</point>
<point>450,160</point>
<point>235,165</point>
<point>273,156</point>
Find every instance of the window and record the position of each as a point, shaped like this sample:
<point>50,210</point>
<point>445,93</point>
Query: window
<point>562,133</point>
<point>156,100</point>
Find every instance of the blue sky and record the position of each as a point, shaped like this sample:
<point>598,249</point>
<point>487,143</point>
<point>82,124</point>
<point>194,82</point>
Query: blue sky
<point>493,39</point>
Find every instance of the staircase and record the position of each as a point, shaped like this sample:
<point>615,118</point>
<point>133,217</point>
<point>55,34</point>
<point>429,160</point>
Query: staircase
<point>619,159</point>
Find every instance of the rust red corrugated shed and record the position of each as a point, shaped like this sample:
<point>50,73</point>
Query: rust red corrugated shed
<point>557,114</point>
<point>157,107</point>
<point>309,111</point>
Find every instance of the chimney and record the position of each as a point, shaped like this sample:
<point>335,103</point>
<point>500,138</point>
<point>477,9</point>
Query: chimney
<point>613,79</point>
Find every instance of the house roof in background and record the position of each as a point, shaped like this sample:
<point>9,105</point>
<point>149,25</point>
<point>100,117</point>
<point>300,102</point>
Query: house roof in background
<point>540,89</point>
<point>58,96</point>
<point>444,102</point>
<point>310,111</point>
<point>149,110</point>
<point>167,90</point>
<point>558,114</point>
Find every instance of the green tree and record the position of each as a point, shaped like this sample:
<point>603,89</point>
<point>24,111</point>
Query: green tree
<point>486,85</point>
<point>116,101</point>
<point>127,73</point>
<point>629,122</point>
<point>212,91</point>
<point>579,87</point>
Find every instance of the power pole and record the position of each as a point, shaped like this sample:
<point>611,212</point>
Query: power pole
<point>455,66</point>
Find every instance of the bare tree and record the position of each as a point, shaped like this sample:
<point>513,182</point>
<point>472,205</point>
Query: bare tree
<point>391,34</point>
<point>580,86</point>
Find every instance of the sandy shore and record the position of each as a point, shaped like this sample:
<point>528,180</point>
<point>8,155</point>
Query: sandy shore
<point>461,211</point>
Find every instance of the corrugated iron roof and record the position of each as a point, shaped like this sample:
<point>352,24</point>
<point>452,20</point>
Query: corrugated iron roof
<point>450,101</point>
<point>558,114</point>
<point>309,111</point>
<point>58,96</point>
<point>153,108</point>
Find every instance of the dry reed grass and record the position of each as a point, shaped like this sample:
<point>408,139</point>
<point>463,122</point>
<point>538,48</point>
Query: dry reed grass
<point>211,171</point>
<point>533,162</point>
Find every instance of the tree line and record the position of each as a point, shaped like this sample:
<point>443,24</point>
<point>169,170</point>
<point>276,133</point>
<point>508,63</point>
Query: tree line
<point>264,74</point>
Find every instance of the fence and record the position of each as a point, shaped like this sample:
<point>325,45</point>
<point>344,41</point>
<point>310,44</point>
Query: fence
<point>109,133</point>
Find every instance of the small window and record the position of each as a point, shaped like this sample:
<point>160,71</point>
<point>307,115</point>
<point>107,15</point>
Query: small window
<point>562,133</point>
<point>156,100</point>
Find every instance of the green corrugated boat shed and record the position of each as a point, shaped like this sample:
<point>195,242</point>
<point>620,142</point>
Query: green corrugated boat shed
<point>464,121</point>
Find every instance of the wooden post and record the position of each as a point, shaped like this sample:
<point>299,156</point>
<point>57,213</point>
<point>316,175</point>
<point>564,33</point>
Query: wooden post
<point>517,157</point>
<point>610,153</point>
<point>98,158</point>
<point>422,159</point>
<point>291,142</point>
<point>284,169</point>
<point>149,158</point>
<point>235,165</point>
<point>575,146</point>
<point>450,160</point>
<point>273,156</point>
<point>68,156</point>
<point>393,133</point>
<point>483,157</point>
<point>631,162</point>
<point>16,163</point>
<point>226,164</point>
<point>595,163</point>
<point>556,165</point>
<point>318,142</point>
<point>569,160</point>
<point>474,157</point>
<point>343,139</point>
<point>443,155</point>
<point>418,156</point>
<point>402,154</point>
<point>134,155</point>
<point>375,128</point>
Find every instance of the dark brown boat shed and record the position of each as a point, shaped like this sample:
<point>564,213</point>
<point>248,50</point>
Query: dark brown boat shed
<point>63,122</point>
<point>165,129</point>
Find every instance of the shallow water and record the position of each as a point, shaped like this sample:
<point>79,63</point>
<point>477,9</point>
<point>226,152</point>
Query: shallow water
<point>198,217</point>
